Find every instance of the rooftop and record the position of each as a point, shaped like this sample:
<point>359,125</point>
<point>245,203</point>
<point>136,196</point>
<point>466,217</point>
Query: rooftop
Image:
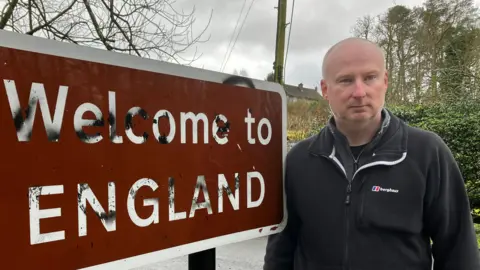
<point>302,92</point>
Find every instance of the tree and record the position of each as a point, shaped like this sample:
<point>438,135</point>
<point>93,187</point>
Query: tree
<point>364,27</point>
<point>146,28</point>
<point>459,62</point>
<point>432,51</point>
<point>270,77</point>
<point>243,72</point>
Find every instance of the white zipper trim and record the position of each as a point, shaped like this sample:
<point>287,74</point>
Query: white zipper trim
<point>388,163</point>
<point>332,156</point>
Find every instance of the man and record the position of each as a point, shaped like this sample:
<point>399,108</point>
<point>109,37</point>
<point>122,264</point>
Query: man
<point>369,192</point>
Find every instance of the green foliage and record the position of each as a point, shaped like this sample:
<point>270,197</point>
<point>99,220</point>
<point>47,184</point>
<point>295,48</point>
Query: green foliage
<point>458,124</point>
<point>477,231</point>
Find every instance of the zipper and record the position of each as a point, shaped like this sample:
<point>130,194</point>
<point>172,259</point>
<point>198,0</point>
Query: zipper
<point>347,222</point>
<point>347,204</point>
<point>347,198</point>
<point>349,191</point>
<point>349,187</point>
<point>347,201</point>
<point>376,163</point>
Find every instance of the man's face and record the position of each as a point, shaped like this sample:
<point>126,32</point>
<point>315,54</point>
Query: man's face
<point>355,81</point>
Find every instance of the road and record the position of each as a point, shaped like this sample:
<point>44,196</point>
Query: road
<point>246,255</point>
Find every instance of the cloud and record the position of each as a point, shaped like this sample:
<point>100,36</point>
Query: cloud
<point>316,26</point>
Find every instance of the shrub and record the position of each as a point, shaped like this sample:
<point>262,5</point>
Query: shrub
<point>304,115</point>
<point>458,124</point>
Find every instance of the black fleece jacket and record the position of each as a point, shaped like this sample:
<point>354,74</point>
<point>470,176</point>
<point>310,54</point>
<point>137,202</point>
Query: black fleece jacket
<point>377,213</point>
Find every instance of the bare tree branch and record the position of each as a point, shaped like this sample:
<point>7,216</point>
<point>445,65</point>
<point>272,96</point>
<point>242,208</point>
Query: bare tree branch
<point>146,28</point>
<point>8,13</point>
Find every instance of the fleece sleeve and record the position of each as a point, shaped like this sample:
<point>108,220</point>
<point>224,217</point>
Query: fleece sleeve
<point>281,246</point>
<point>448,216</point>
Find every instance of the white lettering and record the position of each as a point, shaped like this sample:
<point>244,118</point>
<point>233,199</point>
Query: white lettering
<point>223,184</point>
<point>264,121</point>
<point>206,204</point>
<point>108,218</point>
<point>250,203</point>
<point>216,129</point>
<point>129,127</point>
<point>24,126</point>
<point>79,122</point>
<point>171,202</point>
<point>85,194</point>
<point>36,214</point>
<point>156,122</point>
<point>37,95</point>
<point>195,118</point>
<point>378,189</point>
<point>154,217</point>
<point>249,120</point>
<point>113,118</point>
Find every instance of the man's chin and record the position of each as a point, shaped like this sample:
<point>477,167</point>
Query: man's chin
<point>360,117</point>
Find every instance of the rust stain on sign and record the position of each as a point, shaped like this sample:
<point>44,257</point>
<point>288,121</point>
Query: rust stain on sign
<point>108,162</point>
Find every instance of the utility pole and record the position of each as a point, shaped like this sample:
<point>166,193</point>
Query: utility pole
<point>280,43</point>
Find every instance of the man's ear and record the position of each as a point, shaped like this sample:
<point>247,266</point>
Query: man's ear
<point>323,85</point>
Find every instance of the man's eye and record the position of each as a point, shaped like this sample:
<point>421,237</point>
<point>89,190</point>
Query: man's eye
<point>371,77</point>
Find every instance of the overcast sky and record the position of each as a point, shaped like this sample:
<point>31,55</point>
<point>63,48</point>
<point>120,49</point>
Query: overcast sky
<point>317,24</point>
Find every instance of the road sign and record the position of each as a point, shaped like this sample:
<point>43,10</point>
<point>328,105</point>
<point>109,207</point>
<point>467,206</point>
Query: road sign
<point>113,161</point>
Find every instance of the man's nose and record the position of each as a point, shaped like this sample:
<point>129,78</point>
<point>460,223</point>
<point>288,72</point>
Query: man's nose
<point>359,89</point>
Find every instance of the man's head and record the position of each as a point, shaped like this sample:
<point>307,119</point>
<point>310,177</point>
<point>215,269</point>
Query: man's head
<point>355,80</point>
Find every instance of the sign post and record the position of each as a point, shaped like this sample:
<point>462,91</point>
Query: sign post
<point>113,161</point>
<point>202,260</point>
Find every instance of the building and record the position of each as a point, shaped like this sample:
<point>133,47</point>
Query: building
<point>299,92</point>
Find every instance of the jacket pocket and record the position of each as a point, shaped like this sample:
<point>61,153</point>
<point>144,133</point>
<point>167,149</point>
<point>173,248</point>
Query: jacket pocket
<point>392,204</point>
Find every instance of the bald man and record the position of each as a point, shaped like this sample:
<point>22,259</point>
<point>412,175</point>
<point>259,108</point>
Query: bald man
<point>370,192</point>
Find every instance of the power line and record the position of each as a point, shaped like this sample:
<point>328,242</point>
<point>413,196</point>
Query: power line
<point>238,34</point>
<point>233,34</point>
<point>241,27</point>
<point>288,42</point>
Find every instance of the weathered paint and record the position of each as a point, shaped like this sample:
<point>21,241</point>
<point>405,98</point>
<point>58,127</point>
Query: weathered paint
<point>36,214</point>
<point>37,95</point>
<point>171,123</point>
<point>206,204</point>
<point>116,161</point>
<point>223,185</point>
<point>172,215</point>
<point>86,195</point>
<point>154,217</point>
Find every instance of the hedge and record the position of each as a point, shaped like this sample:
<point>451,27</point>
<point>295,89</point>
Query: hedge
<point>458,124</point>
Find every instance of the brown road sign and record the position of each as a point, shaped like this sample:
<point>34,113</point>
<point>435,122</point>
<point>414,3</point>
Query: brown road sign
<point>113,161</point>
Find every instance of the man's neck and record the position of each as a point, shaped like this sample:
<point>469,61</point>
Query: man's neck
<point>359,133</point>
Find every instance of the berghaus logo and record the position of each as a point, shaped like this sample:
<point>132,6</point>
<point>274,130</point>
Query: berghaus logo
<point>380,189</point>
